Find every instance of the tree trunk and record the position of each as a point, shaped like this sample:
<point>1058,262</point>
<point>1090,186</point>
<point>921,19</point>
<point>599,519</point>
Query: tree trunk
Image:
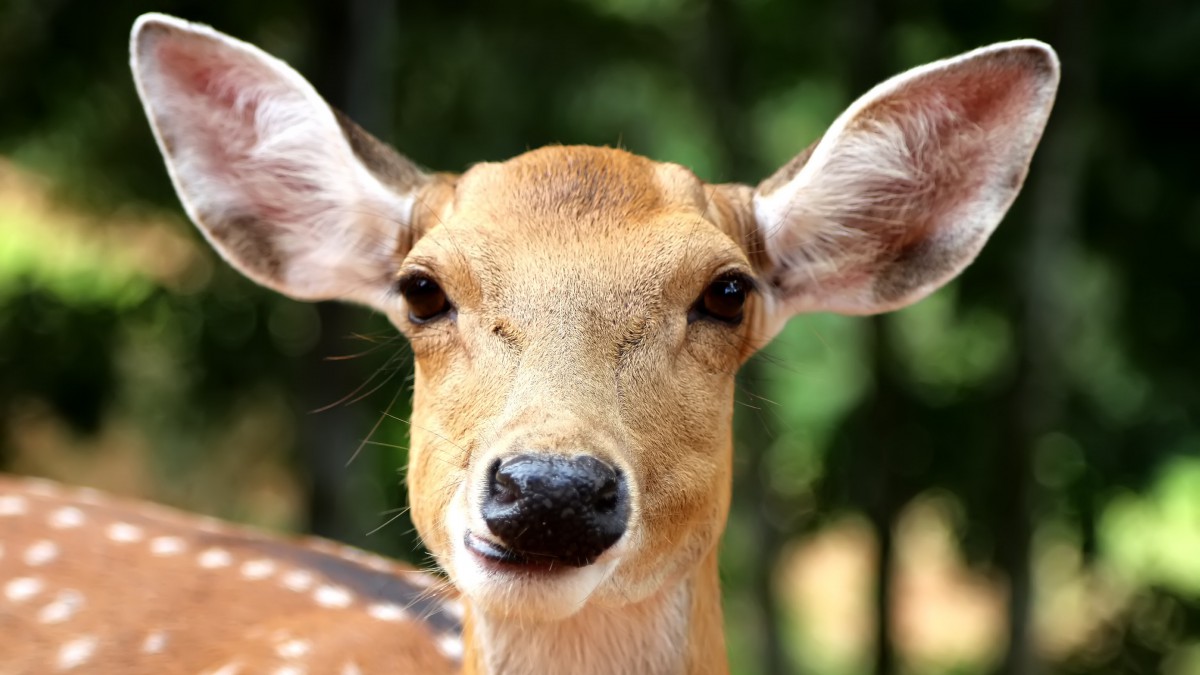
<point>353,57</point>
<point>882,445</point>
<point>1043,333</point>
<point>880,456</point>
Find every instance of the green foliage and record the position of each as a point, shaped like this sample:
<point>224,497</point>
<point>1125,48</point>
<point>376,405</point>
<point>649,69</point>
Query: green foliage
<point>1155,537</point>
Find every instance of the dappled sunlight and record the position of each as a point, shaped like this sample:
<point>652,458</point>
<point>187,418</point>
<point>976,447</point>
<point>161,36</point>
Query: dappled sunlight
<point>235,465</point>
<point>1155,537</point>
<point>825,581</point>
<point>1076,602</point>
<point>947,615</point>
<point>85,258</point>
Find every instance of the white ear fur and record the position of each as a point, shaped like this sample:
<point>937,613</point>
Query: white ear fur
<point>265,167</point>
<point>908,183</point>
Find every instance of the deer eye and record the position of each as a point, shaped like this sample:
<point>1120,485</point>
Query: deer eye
<point>723,300</point>
<point>426,299</point>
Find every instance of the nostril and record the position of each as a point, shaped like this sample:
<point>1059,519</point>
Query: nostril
<point>502,487</point>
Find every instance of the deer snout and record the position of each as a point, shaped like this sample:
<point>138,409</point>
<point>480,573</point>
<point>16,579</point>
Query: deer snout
<point>555,509</point>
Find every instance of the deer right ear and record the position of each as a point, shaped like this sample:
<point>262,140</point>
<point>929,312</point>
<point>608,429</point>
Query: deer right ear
<point>906,186</point>
<point>291,193</point>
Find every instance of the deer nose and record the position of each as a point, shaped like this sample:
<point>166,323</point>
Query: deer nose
<point>552,508</point>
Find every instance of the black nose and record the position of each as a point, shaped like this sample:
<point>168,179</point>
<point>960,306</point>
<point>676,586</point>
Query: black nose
<point>550,508</point>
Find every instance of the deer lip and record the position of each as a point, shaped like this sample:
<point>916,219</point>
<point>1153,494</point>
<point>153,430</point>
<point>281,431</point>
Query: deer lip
<point>501,557</point>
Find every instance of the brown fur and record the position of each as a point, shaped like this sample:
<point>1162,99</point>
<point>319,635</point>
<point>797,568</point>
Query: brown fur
<point>208,616</point>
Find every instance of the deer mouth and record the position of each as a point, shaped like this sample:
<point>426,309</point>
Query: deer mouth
<point>499,578</point>
<point>501,557</point>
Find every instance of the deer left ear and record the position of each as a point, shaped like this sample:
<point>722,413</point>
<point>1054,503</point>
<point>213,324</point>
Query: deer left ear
<point>292,194</point>
<point>906,186</point>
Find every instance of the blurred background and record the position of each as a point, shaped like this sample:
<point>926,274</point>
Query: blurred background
<point>1004,478</point>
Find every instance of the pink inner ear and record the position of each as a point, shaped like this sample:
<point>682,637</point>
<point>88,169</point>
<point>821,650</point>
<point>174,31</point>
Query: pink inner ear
<point>907,186</point>
<point>209,100</point>
<point>206,74</point>
<point>991,96</point>
<point>220,95</point>
<point>956,127</point>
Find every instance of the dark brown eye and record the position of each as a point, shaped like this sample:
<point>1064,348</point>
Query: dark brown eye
<point>723,300</point>
<point>426,300</point>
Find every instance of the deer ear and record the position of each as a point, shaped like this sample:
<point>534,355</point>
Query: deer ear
<point>292,194</point>
<point>906,186</point>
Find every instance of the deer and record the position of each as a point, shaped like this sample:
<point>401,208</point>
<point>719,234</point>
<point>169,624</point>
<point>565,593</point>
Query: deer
<point>577,315</point>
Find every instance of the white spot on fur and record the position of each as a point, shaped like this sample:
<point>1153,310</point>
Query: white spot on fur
<point>165,546</point>
<point>298,580</point>
<point>13,505</point>
<point>41,487</point>
<point>454,608</point>
<point>214,558</point>
<point>22,588</point>
<point>76,652</point>
<point>421,580</point>
<point>155,642</point>
<point>332,596</point>
<point>387,612</point>
<point>288,670</point>
<point>450,646</point>
<point>125,533</point>
<point>64,606</point>
<point>293,649</point>
<point>210,524</point>
<point>89,496</point>
<point>228,669</point>
<point>352,554</point>
<point>66,518</point>
<point>377,564</point>
<point>351,668</point>
<point>41,552</point>
<point>258,569</point>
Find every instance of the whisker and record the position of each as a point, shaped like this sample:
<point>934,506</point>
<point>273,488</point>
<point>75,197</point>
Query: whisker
<point>426,430</point>
<point>374,428</point>
<point>354,397</point>
<point>371,350</point>
<point>387,522</point>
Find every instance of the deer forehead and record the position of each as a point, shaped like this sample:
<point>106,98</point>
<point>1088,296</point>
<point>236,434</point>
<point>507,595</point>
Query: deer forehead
<point>603,182</point>
<point>562,226</point>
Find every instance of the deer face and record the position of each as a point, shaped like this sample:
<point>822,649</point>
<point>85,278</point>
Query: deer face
<point>571,422</point>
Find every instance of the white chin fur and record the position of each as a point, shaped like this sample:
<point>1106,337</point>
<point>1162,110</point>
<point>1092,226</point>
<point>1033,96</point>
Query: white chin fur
<point>550,596</point>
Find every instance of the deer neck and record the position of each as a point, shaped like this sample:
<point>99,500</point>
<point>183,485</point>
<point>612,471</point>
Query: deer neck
<point>678,631</point>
